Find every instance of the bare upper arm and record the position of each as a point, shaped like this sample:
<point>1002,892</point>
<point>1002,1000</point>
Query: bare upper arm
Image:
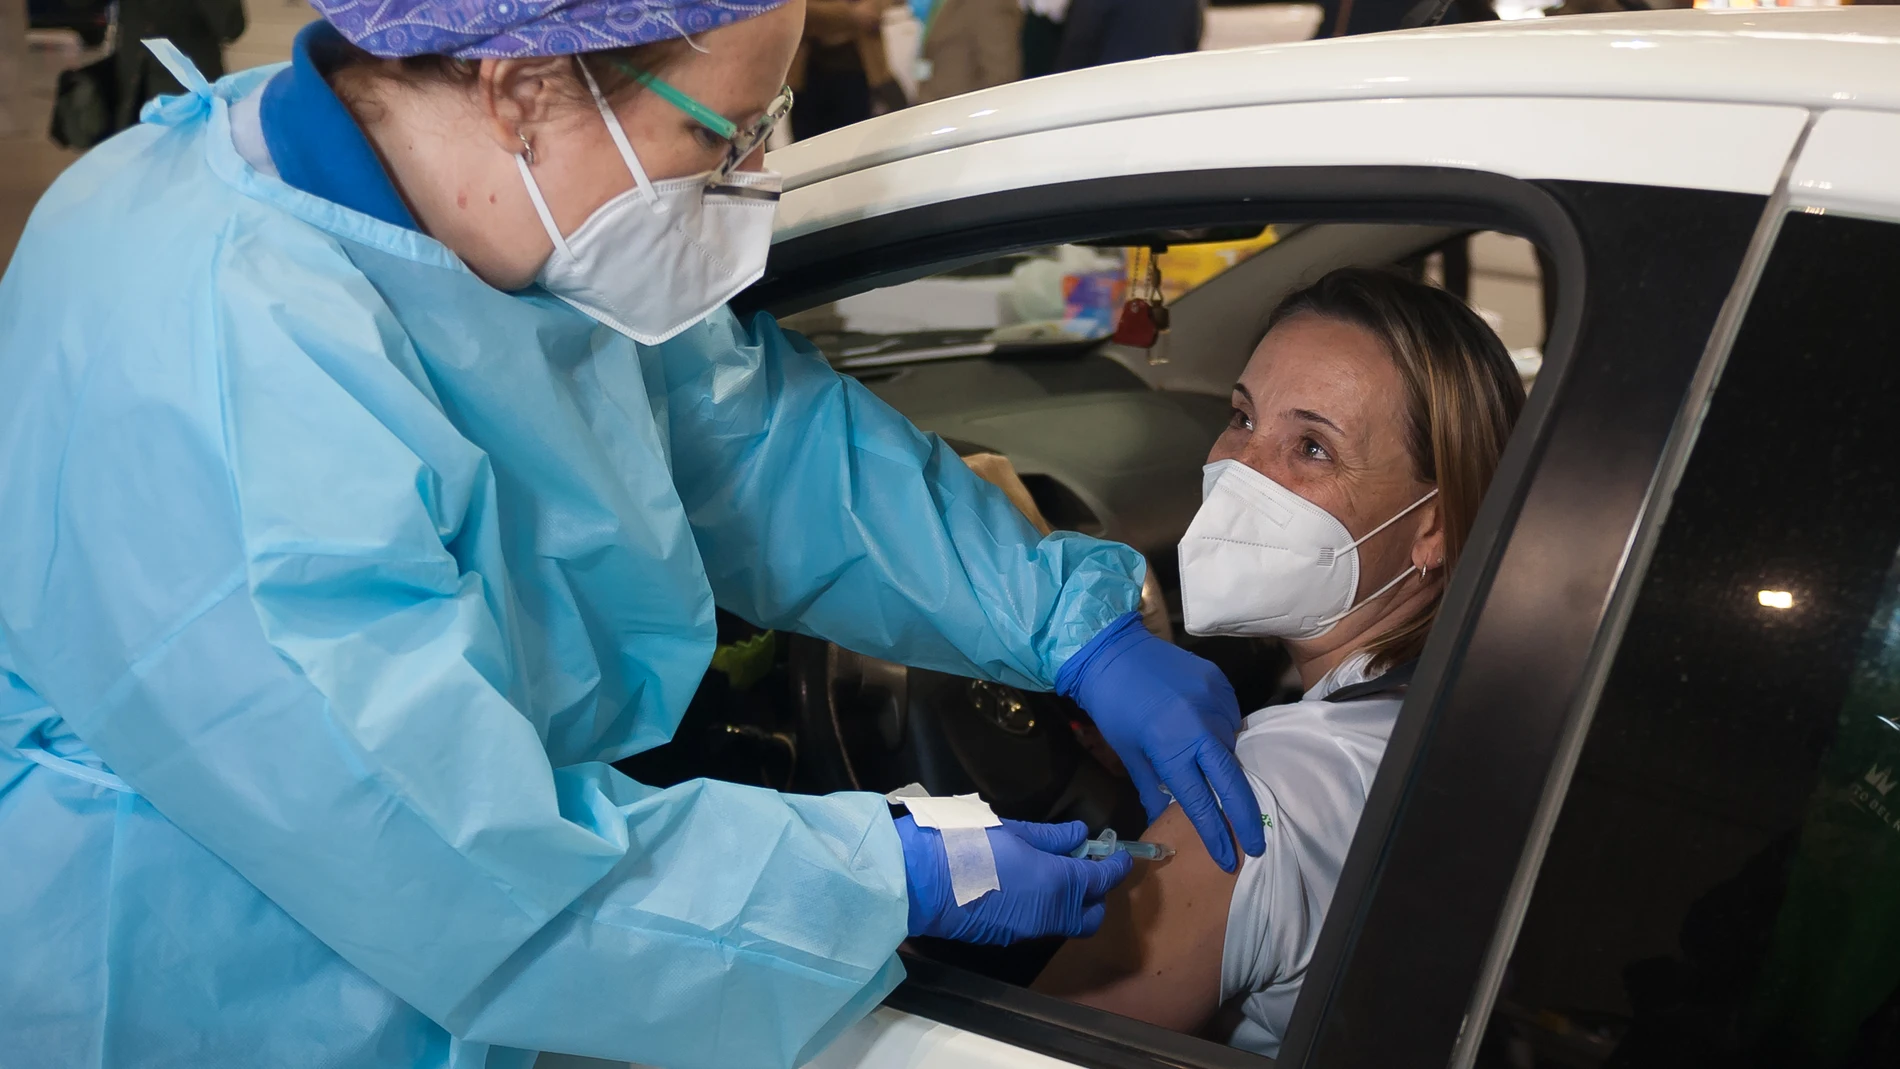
<point>1157,957</point>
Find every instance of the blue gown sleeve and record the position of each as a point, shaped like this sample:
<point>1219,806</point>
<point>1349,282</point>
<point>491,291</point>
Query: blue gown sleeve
<point>820,509</point>
<point>323,695</point>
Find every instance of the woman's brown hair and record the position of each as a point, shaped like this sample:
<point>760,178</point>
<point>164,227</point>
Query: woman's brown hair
<point>1462,397</point>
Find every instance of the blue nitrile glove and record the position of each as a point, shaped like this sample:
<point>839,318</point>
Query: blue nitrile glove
<point>1041,890</point>
<point>1171,717</point>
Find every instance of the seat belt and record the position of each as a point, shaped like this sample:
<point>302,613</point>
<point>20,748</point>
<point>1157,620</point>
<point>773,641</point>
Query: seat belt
<point>1391,684</point>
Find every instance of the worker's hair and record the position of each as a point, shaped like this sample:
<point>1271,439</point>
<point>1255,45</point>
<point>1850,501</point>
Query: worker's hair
<point>1462,397</point>
<point>354,72</point>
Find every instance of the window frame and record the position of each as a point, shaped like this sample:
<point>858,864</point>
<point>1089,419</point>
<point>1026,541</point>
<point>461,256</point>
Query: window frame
<point>1738,326</point>
<point>852,257</point>
<point>1831,146</point>
<point>1671,466</point>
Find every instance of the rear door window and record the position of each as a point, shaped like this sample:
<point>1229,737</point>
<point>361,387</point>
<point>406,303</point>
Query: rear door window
<point>1722,886</point>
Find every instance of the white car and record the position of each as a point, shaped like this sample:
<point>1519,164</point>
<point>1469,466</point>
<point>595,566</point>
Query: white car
<point>1635,811</point>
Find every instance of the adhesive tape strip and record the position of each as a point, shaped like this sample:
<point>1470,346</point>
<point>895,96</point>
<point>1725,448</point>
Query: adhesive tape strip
<point>963,821</point>
<point>972,863</point>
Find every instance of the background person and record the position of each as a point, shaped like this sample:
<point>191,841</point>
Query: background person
<point>970,45</point>
<point>1115,31</point>
<point>1042,35</point>
<point>389,500</point>
<point>841,73</point>
<point>1346,18</point>
<point>1374,412</point>
<point>13,53</point>
<point>200,29</point>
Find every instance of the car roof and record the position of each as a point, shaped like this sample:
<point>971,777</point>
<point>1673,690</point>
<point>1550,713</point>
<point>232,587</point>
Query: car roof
<point>1816,57</point>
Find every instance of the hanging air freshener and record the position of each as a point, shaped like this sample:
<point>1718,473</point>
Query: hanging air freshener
<point>1144,317</point>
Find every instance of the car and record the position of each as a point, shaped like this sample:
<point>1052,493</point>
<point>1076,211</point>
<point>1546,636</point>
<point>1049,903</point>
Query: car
<point>1637,807</point>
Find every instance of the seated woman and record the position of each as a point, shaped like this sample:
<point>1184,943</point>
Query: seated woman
<point>1365,430</point>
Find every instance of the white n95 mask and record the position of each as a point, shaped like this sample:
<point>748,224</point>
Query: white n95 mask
<point>663,255</point>
<point>1261,560</point>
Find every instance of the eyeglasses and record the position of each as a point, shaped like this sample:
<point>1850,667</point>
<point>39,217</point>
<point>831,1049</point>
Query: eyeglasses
<point>742,141</point>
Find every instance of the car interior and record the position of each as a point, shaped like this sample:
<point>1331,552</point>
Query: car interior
<point>1016,361</point>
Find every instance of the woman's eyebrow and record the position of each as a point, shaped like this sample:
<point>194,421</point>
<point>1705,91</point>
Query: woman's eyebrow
<point>1311,416</point>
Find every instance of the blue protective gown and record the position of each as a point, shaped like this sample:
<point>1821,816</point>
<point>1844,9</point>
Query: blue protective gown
<point>331,577</point>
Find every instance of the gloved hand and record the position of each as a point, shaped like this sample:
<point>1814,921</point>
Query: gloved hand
<point>1171,717</point>
<point>1042,891</point>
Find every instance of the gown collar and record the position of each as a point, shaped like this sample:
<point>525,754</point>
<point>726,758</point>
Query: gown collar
<point>315,142</point>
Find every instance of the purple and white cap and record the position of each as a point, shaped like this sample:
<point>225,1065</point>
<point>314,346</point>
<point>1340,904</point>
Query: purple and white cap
<point>511,29</point>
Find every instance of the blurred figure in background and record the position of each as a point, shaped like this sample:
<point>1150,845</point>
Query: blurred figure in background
<point>1344,18</point>
<point>1042,35</point>
<point>200,29</point>
<point>1111,31</point>
<point>970,45</point>
<point>12,67</point>
<point>841,74</point>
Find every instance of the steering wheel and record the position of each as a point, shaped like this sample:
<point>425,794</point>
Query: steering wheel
<point>869,724</point>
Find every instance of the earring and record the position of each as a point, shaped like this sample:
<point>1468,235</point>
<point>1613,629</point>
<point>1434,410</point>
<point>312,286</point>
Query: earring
<point>527,147</point>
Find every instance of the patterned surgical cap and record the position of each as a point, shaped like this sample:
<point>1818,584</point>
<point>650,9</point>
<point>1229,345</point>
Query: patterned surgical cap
<point>503,29</point>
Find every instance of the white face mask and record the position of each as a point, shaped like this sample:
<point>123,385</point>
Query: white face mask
<point>663,255</point>
<point>1261,560</point>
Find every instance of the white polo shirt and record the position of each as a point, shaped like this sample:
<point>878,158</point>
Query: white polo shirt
<point>1310,763</point>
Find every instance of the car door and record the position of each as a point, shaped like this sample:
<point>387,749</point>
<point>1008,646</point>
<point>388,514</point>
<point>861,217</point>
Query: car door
<point>1711,877</point>
<point>1645,247</point>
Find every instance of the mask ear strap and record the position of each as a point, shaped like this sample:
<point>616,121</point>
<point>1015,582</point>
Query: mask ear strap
<point>1372,597</point>
<point>1401,515</point>
<point>620,139</point>
<point>541,205</point>
<point>1400,578</point>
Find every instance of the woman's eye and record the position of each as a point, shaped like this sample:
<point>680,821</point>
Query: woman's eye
<point>1238,420</point>
<point>1312,450</point>
<point>710,141</point>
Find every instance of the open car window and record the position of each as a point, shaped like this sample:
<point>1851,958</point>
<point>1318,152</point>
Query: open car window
<point>1217,282</point>
<point>1060,295</point>
<point>1062,419</point>
<point>1014,358</point>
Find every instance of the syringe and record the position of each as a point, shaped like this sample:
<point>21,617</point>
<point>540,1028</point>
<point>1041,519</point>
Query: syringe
<point>1106,844</point>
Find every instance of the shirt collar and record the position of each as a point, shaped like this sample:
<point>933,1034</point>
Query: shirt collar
<point>316,144</point>
<point>1349,672</point>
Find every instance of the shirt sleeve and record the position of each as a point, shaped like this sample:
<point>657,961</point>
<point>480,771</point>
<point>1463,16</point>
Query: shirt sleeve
<point>820,509</point>
<point>311,683</point>
<point>1311,792</point>
<point>1270,915</point>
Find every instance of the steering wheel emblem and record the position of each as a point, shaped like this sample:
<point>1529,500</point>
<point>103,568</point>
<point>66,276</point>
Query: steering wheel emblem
<point>1002,706</point>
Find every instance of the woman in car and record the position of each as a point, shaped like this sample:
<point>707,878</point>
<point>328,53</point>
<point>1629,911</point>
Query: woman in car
<point>1365,430</point>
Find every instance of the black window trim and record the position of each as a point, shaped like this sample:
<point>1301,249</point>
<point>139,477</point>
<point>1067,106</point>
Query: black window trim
<point>886,249</point>
<point>1655,511</point>
<point>909,243</point>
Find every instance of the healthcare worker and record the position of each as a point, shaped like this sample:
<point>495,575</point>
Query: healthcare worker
<point>387,499</point>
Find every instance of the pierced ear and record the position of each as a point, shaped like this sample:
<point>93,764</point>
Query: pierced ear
<point>516,95</point>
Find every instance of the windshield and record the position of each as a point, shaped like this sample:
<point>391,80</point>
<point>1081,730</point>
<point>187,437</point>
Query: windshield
<point>1063,295</point>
